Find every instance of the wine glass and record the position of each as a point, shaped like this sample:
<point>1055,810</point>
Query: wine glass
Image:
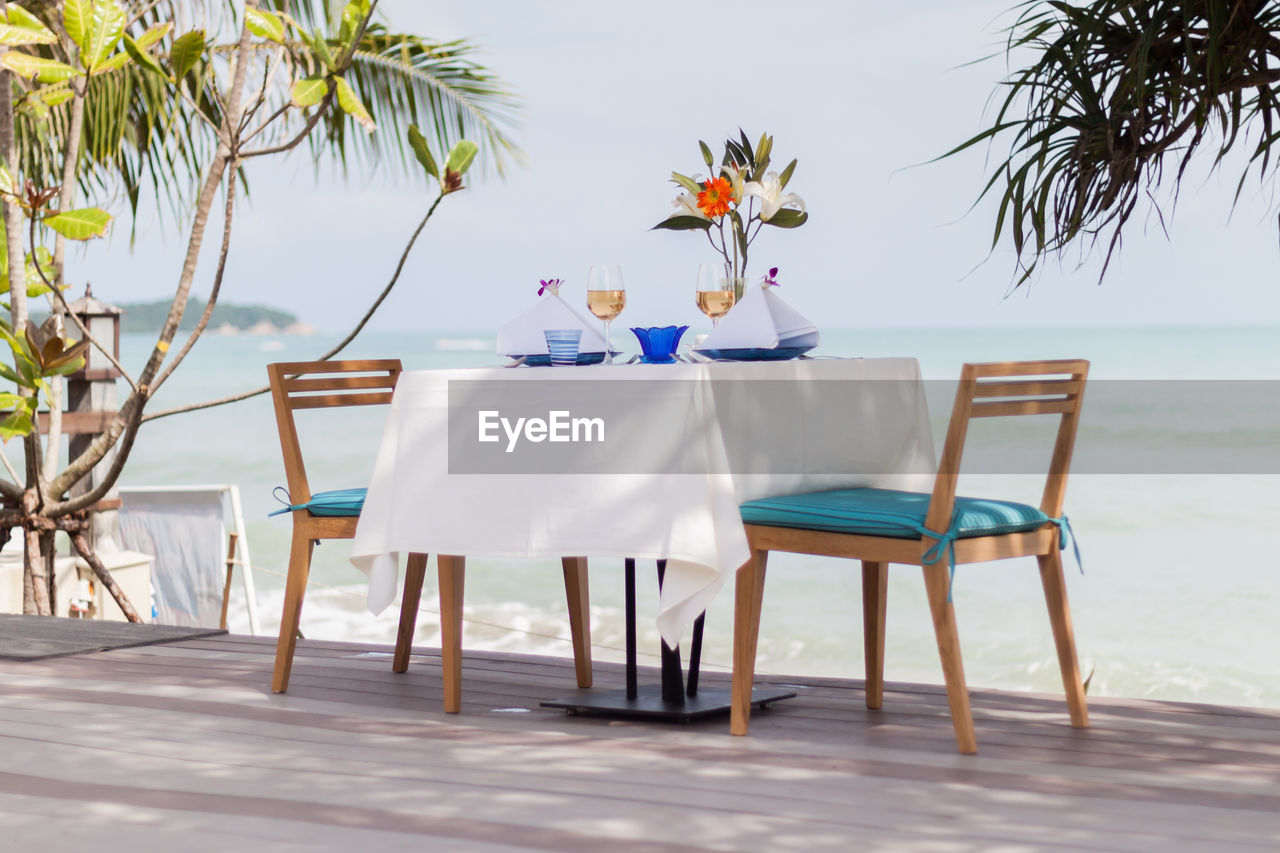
<point>715,292</point>
<point>606,297</point>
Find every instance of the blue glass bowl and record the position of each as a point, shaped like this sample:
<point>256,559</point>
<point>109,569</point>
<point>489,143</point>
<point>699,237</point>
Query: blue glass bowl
<point>658,343</point>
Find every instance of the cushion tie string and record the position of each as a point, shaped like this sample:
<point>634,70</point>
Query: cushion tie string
<point>286,501</point>
<point>1064,533</point>
<point>945,544</point>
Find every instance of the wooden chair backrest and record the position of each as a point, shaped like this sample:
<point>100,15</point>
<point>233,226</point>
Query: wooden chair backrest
<point>1012,388</point>
<point>321,385</point>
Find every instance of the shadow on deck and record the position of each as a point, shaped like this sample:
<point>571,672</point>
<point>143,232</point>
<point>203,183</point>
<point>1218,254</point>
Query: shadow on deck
<point>183,746</point>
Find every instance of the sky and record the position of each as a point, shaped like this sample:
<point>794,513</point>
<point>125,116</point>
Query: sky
<point>617,95</point>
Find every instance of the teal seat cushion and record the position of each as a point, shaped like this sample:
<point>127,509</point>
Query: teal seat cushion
<point>887,512</point>
<point>339,502</point>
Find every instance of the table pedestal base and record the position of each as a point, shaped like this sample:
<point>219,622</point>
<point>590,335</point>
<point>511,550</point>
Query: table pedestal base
<point>674,700</point>
<point>649,704</point>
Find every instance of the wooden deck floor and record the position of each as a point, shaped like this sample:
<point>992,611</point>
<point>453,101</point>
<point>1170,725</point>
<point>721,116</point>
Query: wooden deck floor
<point>183,747</point>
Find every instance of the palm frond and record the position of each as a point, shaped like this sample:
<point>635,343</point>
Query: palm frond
<point>405,80</point>
<point>1115,98</point>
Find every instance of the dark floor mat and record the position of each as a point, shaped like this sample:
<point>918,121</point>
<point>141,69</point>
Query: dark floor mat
<point>38,637</point>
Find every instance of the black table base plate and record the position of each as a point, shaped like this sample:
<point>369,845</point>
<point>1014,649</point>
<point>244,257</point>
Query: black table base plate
<point>649,705</point>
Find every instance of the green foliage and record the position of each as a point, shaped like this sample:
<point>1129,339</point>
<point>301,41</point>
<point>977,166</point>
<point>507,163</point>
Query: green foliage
<point>106,28</point>
<point>186,53</point>
<point>1110,98</point>
<point>310,91</point>
<point>138,135</point>
<point>460,157</point>
<point>422,151</point>
<point>265,24</point>
<point>683,223</point>
<point>83,224</point>
<point>351,105</point>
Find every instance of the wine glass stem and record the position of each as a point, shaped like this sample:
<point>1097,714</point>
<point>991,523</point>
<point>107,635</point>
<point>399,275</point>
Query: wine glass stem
<point>608,344</point>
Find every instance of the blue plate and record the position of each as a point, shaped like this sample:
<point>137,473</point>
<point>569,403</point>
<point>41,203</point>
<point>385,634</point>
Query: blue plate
<point>543,359</point>
<point>755,354</point>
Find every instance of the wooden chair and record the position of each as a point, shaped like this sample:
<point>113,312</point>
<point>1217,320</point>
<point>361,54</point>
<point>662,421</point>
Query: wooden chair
<point>934,531</point>
<point>333,515</point>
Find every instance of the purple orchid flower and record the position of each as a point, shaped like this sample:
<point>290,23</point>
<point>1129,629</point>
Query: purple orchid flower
<point>552,283</point>
<point>771,279</point>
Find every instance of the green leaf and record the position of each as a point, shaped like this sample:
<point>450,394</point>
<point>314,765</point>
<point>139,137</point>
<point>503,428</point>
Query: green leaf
<point>145,59</point>
<point>76,15</point>
<point>6,186</point>
<point>35,283</point>
<point>683,223</point>
<point>20,17</point>
<point>16,36</point>
<point>58,93</point>
<point>321,49</point>
<point>355,12</point>
<point>787,218</point>
<point>186,52</point>
<point>154,34</point>
<point>106,28</point>
<point>420,150</point>
<point>16,424</point>
<point>685,181</point>
<point>264,24</point>
<point>460,157</point>
<point>44,70</point>
<point>309,91</point>
<point>352,15</point>
<point>22,27</point>
<point>83,224</point>
<point>352,105</point>
<point>785,177</point>
<point>115,63</point>
<point>706,154</point>
<point>7,372</point>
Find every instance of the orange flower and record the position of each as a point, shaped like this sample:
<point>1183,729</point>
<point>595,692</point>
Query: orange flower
<point>715,197</point>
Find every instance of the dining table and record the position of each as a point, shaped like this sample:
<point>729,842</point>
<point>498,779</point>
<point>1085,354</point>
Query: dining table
<point>630,461</point>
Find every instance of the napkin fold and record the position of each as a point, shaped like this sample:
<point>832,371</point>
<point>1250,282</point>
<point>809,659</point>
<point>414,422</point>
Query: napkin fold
<point>524,334</point>
<point>761,321</point>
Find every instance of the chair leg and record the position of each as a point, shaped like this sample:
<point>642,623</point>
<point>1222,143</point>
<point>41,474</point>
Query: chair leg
<point>1055,595</point>
<point>578,595</point>
<point>415,570</point>
<point>936,582</point>
<point>748,598</point>
<point>295,590</point>
<point>875,598</point>
<point>451,570</point>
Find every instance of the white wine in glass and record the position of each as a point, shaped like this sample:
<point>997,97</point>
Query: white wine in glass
<point>715,292</point>
<point>606,297</point>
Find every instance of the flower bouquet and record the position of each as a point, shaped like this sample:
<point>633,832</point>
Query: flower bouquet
<point>736,202</point>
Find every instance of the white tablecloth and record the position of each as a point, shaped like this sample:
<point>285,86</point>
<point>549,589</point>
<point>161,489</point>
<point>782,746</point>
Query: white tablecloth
<point>872,433</point>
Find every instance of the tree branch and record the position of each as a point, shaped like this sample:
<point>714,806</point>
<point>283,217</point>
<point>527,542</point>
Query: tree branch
<point>235,398</point>
<point>125,424</point>
<point>217,283</point>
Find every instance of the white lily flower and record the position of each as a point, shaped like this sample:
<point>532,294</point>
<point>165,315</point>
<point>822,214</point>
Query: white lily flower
<point>686,204</point>
<point>769,191</point>
<point>736,181</point>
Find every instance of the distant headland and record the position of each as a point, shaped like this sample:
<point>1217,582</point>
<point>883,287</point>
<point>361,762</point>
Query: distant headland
<point>228,318</point>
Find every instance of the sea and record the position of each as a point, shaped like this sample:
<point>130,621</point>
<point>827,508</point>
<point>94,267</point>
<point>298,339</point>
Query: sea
<point>1178,597</point>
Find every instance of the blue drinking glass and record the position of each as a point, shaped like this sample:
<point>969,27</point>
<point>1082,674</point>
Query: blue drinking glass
<point>563,344</point>
<point>658,343</point>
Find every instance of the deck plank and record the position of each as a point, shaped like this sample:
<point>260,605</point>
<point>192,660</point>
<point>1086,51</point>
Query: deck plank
<point>188,735</point>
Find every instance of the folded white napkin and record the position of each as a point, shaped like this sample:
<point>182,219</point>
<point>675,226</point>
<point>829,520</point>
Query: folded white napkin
<point>524,335</point>
<point>761,321</point>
